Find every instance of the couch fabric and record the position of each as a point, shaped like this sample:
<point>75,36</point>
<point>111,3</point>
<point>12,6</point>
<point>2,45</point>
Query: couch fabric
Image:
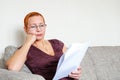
<point>99,63</point>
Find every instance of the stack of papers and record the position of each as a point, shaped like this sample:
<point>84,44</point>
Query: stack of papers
<point>71,60</point>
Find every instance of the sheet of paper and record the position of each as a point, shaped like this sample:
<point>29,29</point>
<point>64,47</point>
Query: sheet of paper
<point>70,60</point>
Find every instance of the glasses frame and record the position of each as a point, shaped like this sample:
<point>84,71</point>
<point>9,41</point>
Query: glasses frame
<point>35,27</point>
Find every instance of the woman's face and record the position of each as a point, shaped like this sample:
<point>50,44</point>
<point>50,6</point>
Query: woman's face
<point>36,26</point>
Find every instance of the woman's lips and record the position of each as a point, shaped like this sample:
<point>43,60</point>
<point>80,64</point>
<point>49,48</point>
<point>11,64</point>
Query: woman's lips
<point>39,35</point>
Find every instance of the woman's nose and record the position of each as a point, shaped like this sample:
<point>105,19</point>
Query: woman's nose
<point>38,28</point>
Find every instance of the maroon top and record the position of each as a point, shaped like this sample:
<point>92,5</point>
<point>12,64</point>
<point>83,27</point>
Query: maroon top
<point>43,64</point>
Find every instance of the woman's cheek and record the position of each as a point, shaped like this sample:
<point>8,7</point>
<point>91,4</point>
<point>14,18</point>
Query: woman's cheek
<point>32,32</point>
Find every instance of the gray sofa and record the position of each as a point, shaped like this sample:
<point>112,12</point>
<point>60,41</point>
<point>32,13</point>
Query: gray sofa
<point>99,63</point>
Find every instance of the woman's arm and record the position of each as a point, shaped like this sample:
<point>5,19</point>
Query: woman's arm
<point>17,60</point>
<point>64,49</point>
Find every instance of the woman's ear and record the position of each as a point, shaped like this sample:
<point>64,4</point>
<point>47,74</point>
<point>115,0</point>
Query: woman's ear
<point>25,29</point>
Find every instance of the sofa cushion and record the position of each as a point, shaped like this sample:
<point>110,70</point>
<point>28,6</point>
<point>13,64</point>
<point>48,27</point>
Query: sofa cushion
<point>9,50</point>
<point>13,75</point>
<point>1,63</point>
<point>101,63</point>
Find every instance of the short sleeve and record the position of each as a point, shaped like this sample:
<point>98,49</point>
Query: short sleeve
<point>59,44</point>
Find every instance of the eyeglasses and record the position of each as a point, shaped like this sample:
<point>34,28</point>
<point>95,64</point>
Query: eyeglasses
<point>35,27</point>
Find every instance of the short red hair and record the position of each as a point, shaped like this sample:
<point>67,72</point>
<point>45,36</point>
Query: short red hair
<point>31,14</point>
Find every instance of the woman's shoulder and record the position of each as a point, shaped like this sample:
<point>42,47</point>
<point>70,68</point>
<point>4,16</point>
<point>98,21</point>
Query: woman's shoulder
<point>58,44</point>
<point>56,41</point>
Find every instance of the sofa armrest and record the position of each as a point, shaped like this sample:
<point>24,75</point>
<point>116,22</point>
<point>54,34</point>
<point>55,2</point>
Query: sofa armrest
<point>13,75</point>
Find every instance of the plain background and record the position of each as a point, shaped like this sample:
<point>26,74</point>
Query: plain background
<point>68,20</point>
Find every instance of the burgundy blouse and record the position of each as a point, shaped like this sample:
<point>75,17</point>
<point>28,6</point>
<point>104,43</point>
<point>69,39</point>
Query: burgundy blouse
<point>43,64</point>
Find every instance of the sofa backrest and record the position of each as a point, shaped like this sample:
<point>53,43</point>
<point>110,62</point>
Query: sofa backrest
<point>8,52</point>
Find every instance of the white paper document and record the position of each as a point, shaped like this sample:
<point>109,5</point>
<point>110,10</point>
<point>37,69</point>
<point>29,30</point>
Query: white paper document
<point>71,60</point>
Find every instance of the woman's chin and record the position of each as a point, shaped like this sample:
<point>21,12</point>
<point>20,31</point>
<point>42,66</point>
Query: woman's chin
<point>39,38</point>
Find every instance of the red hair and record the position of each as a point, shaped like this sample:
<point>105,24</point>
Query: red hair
<point>31,14</point>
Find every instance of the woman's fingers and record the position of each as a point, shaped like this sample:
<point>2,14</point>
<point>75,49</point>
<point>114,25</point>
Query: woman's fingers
<point>76,74</point>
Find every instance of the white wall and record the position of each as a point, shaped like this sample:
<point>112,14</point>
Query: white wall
<point>67,20</point>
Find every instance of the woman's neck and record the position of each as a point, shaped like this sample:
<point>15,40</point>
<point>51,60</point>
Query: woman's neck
<point>45,46</point>
<point>41,42</point>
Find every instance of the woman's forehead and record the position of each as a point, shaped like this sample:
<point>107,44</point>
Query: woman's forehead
<point>35,19</point>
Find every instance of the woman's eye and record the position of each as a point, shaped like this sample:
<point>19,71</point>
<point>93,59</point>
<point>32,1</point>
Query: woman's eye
<point>33,26</point>
<point>41,25</point>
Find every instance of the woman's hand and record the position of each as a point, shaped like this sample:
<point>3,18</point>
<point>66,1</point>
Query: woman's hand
<point>30,38</point>
<point>76,74</point>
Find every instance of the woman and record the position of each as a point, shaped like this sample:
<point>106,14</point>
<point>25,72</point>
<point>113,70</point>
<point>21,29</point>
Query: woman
<point>40,55</point>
